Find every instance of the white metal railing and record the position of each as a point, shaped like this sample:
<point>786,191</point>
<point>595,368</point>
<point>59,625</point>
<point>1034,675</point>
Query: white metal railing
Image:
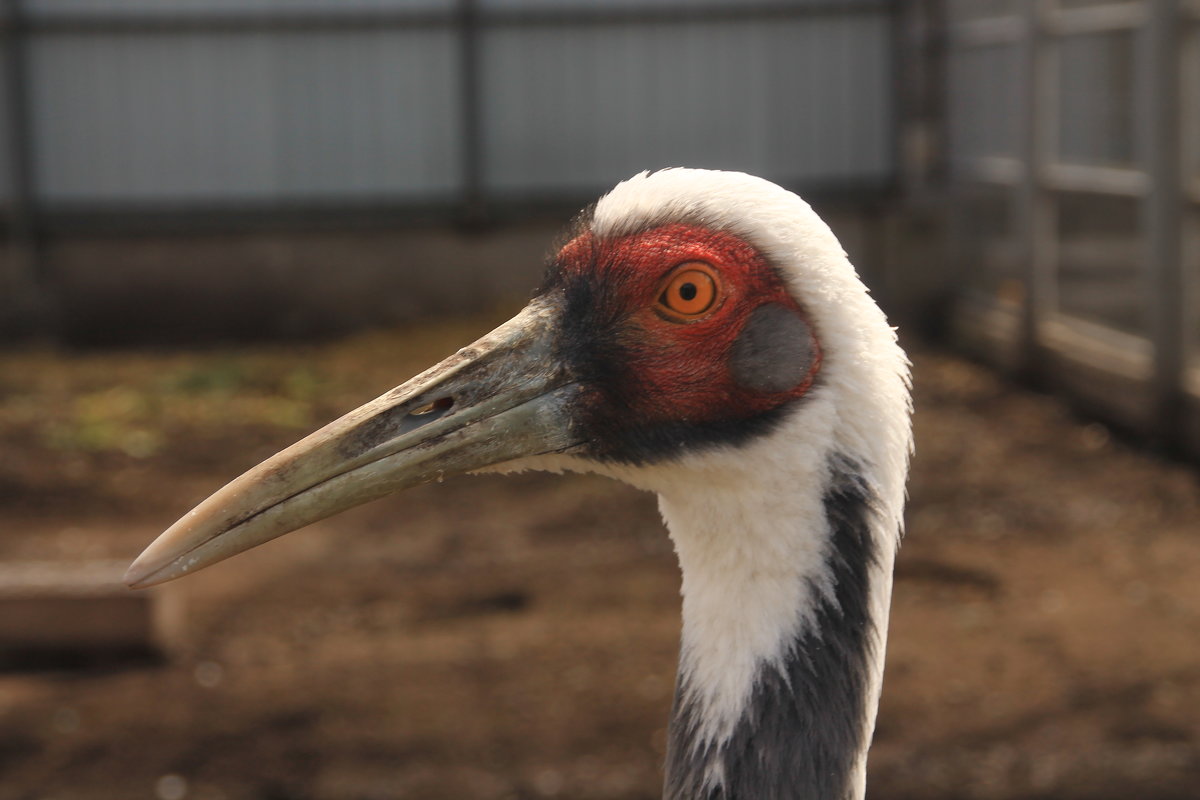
<point>1146,149</point>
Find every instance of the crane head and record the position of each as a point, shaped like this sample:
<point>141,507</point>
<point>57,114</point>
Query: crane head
<point>687,312</point>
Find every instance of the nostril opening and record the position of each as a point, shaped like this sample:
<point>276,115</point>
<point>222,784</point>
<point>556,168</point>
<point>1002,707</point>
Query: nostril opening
<point>420,416</point>
<point>442,404</point>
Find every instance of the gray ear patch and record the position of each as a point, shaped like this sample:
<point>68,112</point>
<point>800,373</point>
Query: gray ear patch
<point>774,352</point>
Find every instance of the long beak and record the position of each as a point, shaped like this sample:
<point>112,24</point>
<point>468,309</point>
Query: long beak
<point>502,398</point>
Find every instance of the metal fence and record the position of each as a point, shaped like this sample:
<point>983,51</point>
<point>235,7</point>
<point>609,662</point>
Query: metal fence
<point>123,114</point>
<point>1074,158</point>
<point>138,104</point>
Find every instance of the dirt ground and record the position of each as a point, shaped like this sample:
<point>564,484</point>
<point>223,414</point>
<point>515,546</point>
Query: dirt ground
<point>515,637</point>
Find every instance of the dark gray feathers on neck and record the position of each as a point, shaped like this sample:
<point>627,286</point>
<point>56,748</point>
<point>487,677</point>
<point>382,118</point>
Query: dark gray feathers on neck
<point>805,726</point>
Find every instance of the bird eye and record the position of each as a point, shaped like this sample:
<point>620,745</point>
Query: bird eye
<point>689,291</point>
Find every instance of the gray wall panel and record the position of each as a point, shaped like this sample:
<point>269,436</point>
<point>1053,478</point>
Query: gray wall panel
<point>254,116</point>
<point>146,118</point>
<point>368,114</point>
<point>191,115</point>
<point>581,107</point>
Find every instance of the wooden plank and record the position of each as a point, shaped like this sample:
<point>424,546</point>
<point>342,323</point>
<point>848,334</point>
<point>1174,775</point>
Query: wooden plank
<point>83,608</point>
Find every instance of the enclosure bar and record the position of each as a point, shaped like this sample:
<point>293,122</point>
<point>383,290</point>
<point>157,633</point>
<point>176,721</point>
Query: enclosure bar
<point>1035,210</point>
<point>985,32</point>
<point>1101,347</point>
<point>999,170</point>
<point>470,95</point>
<point>1191,215</point>
<point>1190,92</point>
<point>1100,180</point>
<point>930,50</point>
<point>28,302</point>
<point>1095,19</point>
<point>900,106</point>
<point>1162,214</point>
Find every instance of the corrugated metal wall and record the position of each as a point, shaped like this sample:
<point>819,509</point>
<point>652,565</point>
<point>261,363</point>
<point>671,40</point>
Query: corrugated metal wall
<point>250,116</point>
<point>804,99</point>
<point>136,104</point>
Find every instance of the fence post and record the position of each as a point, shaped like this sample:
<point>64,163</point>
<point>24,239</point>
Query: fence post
<point>1160,82</point>
<point>473,200</point>
<point>1036,212</point>
<point>25,301</point>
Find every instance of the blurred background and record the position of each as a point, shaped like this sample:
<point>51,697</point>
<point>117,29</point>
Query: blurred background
<point>228,221</point>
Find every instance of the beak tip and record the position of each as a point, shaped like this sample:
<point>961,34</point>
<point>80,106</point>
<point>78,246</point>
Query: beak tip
<point>135,577</point>
<point>142,575</point>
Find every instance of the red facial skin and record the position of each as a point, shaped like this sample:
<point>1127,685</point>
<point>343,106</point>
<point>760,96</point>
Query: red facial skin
<point>680,368</point>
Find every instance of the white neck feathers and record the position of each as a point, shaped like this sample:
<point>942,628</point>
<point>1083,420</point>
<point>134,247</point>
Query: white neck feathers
<point>749,524</point>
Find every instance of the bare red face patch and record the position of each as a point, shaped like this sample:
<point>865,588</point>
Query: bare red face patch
<point>683,327</point>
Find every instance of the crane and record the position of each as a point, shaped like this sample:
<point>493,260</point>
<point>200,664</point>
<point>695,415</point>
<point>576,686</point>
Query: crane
<point>701,335</point>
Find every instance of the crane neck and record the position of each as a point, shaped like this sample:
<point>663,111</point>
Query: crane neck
<point>785,602</point>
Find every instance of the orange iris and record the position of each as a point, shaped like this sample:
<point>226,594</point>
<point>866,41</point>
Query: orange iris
<point>689,292</point>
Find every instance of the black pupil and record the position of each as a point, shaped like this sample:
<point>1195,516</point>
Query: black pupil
<point>688,291</point>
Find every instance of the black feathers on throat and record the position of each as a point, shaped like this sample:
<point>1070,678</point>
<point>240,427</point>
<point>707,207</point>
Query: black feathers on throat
<point>805,726</point>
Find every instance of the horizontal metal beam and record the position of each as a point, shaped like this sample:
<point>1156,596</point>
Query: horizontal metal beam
<point>1191,382</point>
<point>1001,170</point>
<point>1099,346</point>
<point>101,218</point>
<point>992,31</point>
<point>256,21</point>
<point>1095,19</point>
<point>985,32</point>
<point>1100,180</point>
